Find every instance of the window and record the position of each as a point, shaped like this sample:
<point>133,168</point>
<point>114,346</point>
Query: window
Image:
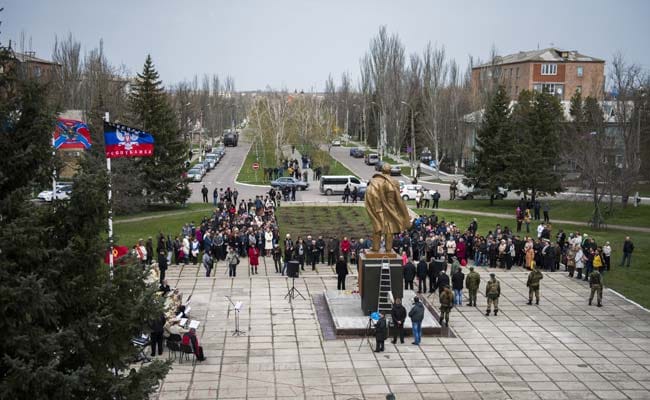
<point>37,71</point>
<point>579,89</point>
<point>516,90</point>
<point>550,88</point>
<point>549,69</point>
<point>517,72</point>
<point>580,71</point>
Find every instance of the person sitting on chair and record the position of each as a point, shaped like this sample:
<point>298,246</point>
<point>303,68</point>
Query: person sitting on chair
<point>190,339</point>
<point>181,310</point>
<point>172,327</point>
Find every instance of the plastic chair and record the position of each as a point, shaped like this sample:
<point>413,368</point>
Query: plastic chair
<point>186,351</point>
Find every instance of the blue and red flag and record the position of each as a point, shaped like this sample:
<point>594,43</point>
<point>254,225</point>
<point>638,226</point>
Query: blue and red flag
<point>71,134</point>
<point>122,141</point>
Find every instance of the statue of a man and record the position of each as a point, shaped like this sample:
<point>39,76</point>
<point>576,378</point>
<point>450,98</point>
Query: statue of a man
<point>386,208</point>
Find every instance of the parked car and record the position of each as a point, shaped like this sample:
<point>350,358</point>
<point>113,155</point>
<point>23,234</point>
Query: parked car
<point>335,184</point>
<point>63,191</point>
<point>426,156</point>
<point>195,174</point>
<point>230,139</point>
<point>336,142</point>
<point>371,159</point>
<point>470,192</point>
<point>288,181</point>
<point>206,165</point>
<point>357,152</point>
<point>394,169</point>
<point>213,158</point>
<point>408,191</point>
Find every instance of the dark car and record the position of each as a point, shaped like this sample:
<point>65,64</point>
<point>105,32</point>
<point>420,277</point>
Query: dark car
<point>394,169</point>
<point>426,157</point>
<point>287,181</point>
<point>230,139</point>
<point>357,153</point>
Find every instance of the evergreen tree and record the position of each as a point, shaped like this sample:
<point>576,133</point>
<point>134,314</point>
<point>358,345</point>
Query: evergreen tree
<point>537,119</point>
<point>164,172</point>
<point>66,326</point>
<point>493,147</point>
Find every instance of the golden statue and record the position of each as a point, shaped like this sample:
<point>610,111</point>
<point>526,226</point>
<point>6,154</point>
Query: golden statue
<point>386,208</point>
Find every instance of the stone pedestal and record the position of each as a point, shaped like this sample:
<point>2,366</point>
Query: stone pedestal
<point>369,274</point>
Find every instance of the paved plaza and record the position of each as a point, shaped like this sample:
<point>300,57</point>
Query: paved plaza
<point>562,349</point>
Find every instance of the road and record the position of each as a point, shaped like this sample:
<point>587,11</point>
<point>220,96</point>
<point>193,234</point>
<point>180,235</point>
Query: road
<point>357,166</point>
<point>225,173</point>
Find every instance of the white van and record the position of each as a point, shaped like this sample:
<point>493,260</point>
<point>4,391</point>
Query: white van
<point>335,184</point>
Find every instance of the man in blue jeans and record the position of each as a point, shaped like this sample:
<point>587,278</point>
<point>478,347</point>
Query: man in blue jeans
<point>417,315</point>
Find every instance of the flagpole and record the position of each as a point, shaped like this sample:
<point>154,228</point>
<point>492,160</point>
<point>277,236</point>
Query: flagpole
<point>110,208</point>
<point>53,169</point>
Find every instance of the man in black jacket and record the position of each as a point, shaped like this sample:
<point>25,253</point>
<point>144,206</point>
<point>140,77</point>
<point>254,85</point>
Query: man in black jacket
<point>409,275</point>
<point>341,273</point>
<point>157,330</point>
<point>380,333</point>
<point>398,314</point>
<point>628,248</point>
<point>422,271</point>
<point>288,251</point>
<point>457,281</point>
<point>443,280</point>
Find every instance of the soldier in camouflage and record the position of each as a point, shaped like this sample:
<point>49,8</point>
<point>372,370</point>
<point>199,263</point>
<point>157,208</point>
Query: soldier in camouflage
<point>596,285</point>
<point>492,292</point>
<point>533,285</point>
<point>472,282</point>
<point>446,303</point>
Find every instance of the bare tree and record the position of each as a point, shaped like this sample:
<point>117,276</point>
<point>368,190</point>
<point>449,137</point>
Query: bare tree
<point>434,75</point>
<point>625,82</point>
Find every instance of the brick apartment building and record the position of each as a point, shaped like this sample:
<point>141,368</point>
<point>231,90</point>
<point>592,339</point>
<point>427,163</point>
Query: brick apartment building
<point>560,72</point>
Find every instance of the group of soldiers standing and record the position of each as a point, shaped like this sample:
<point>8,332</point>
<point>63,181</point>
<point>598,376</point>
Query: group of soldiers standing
<point>493,291</point>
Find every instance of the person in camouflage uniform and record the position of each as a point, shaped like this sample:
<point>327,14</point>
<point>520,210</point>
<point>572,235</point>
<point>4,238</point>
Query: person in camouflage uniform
<point>533,285</point>
<point>492,292</point>
<point>446,303</point>
<point>596,285</point>
<point>472,282</point>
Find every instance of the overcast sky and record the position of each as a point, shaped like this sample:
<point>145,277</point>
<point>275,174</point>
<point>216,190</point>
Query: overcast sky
<point>296,44</point>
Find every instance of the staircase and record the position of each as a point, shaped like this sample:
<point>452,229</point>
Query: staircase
<point>384,302</point>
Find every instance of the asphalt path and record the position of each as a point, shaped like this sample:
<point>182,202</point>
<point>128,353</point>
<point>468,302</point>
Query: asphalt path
<point>225,174</point>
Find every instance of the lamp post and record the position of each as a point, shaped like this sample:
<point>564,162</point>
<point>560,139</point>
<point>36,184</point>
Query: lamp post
<point>381,144</point>
<point>413,152</point>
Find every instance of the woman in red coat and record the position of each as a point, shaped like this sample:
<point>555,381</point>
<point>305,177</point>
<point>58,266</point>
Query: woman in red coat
<point>345,248</point>
<point>190,339</point>
<point>461,248</point>
<point>253,258</point>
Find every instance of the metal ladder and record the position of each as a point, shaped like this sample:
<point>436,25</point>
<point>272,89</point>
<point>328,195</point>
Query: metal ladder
<point>384,302</point>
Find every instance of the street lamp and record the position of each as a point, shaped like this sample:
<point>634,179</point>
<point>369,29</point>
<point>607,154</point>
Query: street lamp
<point>413,153</point>
<point>382,132</point>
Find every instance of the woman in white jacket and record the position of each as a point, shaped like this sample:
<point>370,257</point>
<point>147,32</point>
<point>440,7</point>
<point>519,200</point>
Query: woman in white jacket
<point>268,241</point>
<point>580,261</point>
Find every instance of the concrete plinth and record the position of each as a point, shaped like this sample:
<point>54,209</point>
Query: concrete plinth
<point>369,275</point>
<point>349,320</point>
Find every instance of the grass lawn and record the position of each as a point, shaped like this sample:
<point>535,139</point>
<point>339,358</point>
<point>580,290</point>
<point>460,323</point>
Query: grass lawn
<point>163,209</point>
<point>352,222</point>
<point>265,156</point>
<point>127,233</point>
<point>632,282</point>
<point>560,209</point>
<point>323,159</point>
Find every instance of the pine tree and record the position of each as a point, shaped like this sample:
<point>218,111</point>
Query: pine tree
<point>66,326</point>
<point>493,147</point>
<point>163,178</point>
<point>537,119</point>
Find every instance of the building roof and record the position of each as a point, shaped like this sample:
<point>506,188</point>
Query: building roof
<point>31,57</point>
<point>550,54</point>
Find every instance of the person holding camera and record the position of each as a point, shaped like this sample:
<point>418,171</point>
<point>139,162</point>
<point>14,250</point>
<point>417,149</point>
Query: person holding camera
<point>398,314</point>
<point>381,331</point>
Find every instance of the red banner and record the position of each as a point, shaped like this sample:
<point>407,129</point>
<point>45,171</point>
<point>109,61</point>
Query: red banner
<point>118,251</point>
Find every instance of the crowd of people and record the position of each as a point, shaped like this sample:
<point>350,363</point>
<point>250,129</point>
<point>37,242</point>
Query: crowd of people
<point>250,230</point>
